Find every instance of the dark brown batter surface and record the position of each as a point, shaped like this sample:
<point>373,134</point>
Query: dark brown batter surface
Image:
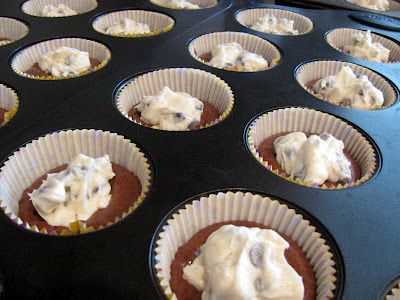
<point>209,115</point>
<point>310,84</point>
<point>35,70</point>
<point>188,252</point>
<point>2,39</point>
<point>207,58</point>
<point>125,190</point>
<point>267,152</point>
<point>2,112</point>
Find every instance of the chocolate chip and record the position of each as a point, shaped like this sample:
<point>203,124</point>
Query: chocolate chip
<point>199,106</point>
<point>179,117</point>
<point>194,125</point>
<point>257,255</point>
<point>324,136</point>
<point>95,190</point>
<point>361,92</point>
<point>259,285</point>
<point>84,168</point>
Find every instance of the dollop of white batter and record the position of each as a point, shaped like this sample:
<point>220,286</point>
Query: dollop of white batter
<point>361,46</point>
<point>76,193</point>
<point>312,160</point>
<point>60,10</point>
<point>241,263</point>
<point>230,55</point>
<point>65,61</point>
<point>348,90</point>
<point>372,4</point>
<point>183,4</point>
<point>270,24</point>
<point>169,110</point>
<point>128,26</point>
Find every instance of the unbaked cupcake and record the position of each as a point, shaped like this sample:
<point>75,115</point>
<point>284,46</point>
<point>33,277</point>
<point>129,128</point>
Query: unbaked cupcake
<point>175,99</point>
<point>60,59</point>
<point>235,51</point>
<point>202,244</point>
<point>87,186</point>
<point>133,23</point>
<point>364,45</point>
<point>311,148</point>
<point>185,4</point>
<point>274,21</point>
<point>346,84</point>
<point>58,8</point>
<point>11,30</point>
<point>381,5</point>
<point>9,103</point>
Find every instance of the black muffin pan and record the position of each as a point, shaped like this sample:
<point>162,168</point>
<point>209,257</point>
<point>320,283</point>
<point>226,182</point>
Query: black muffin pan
<point>361,223</point>
<point>342,4</point>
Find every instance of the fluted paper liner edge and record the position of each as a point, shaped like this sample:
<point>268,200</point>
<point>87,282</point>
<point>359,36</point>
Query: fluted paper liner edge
<point>30,55</point>
<point>205,43</point>
<point>34,7</point>
<point>9,101</point>
<point>41,155</point>
<point>322,68</point>
<point>199,84</point>
<point>233,206</point>
<point>12,29</point>
<point>339,37</point>
<point>293,119</point>
<point>157,22</point>
<point>202,3</point>
<point>394,293</point>
<point>248,17</point>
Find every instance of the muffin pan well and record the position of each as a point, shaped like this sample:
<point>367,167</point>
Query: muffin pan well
<point>114,262</point>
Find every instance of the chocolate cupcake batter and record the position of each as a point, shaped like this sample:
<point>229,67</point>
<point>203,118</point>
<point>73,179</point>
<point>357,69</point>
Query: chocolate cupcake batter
<point>35,70</point>
<point>188,252</point>
<point>208,56</point>
<point>209,115</point>
<point>2,112</point>
<point>267,152</point>
<point>2,39</point>
<point>125,190</point>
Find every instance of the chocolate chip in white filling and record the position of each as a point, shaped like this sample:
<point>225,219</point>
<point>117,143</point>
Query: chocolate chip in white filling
<point>194,125</point>
<point>257,255</point>
<point>324,136</point>
<point>179,117</point>
<point>95,190</point>
<point>259,285</point>
<point>199,106</point>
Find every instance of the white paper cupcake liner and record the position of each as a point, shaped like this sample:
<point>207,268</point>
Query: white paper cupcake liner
<point>9,101</point>
<point>40,156</point>
<point>317,69</point>
<point>199,84</point>
<point>28,56</point>
<point>293,119</point>
<point>393,5</point>
<point>202,3</point>
<point>205,43</point>
<point>340,37</point>
<point>248,17</point>
<point>157,22</point>
<point>394,293</point>
<point>12,30</point>
<point>223,207</point>
<point>34,7</point>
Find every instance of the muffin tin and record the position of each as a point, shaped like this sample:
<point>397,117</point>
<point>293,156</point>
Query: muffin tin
<point>361,223</point>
